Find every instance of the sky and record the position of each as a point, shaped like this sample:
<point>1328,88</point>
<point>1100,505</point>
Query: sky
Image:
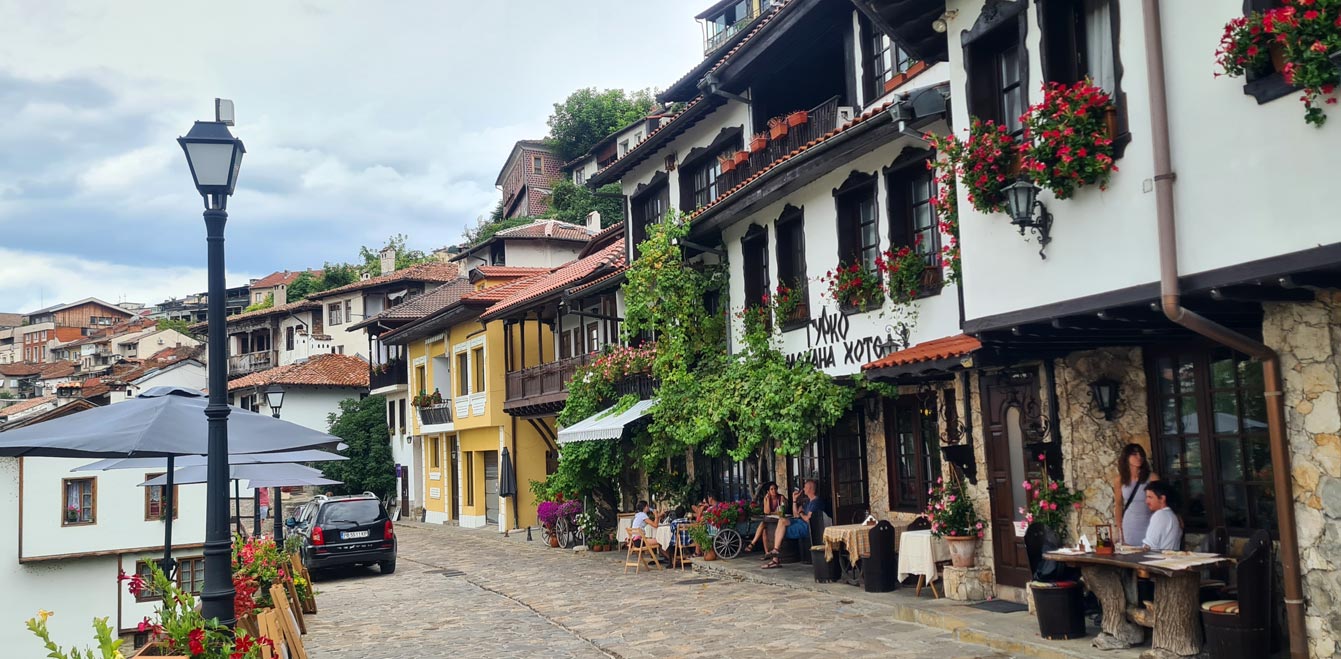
<point>361,120</point>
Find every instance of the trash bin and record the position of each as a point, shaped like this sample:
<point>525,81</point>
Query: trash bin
<point>825,571</point>
<point>880,569</point>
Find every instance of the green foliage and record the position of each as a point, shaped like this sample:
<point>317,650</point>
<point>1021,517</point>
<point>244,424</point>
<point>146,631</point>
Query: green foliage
<point>175,324</point>
<point>572,203</point>
<point>405,257</point>
<point>584,467</point>
<point>587,116</point>
<point>485,229</point>
<point>303,286</point>
<point>268,302</point>
<point>335,275</point>
<point>362,425</point>
<point>6,395</point>
<point>108,643</point>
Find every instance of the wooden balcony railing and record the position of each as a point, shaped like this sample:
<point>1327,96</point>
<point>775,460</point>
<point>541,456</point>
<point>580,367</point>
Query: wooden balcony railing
<point>435,414</point>
<point>546,383</point>
<point>820,120</point>
<point>388,374</point>
<point>250,362</point>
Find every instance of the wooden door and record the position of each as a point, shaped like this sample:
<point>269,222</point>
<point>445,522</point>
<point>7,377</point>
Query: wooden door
<point>847,443</point>
<point>1011,411</point>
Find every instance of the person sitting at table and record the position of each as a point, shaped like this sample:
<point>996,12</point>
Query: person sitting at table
<point>707,502</point>
<point>646,522</point>
<point>792,528</point>
<point>1130,512</point>
<point>1165,532</point>
<point>771,501</point>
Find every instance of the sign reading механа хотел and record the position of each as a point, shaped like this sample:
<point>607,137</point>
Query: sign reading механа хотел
<point>828,345</point>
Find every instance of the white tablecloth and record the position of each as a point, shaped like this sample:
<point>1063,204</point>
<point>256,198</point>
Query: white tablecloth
<point>919,551</point>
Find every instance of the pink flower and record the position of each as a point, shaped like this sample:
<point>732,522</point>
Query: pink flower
<point>1052,486</point>
<point>1042,457</point>
<point>1028,485</point>
<point>1077,505</point>
<point>978,526</point>
<point>952,498</point>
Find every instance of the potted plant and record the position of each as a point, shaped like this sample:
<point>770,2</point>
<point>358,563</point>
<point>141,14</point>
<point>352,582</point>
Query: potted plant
<point>742,157</point>
<point>1068,144</point>
<point>1049,500</point>
<point>703,540</point>
<point>798,118</point>
<point>759,142</point>
<point>1299,41</point>
<point>548,513</point>
<point>787,300</point>
<point>954,519</point>
<point>855,286</point>
<point>777,128</point>
<point>982,163</point>
<point>72,514</point>
<point>726,163</point>
<point>903,268</point>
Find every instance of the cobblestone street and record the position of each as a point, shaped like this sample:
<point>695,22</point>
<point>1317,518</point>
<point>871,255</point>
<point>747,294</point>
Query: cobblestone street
<point>471,593</point>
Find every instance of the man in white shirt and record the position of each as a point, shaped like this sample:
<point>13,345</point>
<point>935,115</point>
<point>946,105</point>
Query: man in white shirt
<point>646,522</point>
<point>1165,531</point>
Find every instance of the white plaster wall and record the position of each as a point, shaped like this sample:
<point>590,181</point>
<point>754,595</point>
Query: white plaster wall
<point>309,406</point>
<point>540,253</point>
<point>120,522</point>
<point>304,345</point>
<point>149,344</point>
<point>732,113</point>
<point>191,375</point>
<point>935,317</point>
<point>354,342</point>
<point>1250,178</point>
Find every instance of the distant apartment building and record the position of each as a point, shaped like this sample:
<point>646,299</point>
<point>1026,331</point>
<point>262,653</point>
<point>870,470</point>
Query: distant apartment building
<point>527,177</point>
<point>63,323</point>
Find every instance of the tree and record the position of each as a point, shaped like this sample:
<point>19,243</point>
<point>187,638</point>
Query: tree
<point>175,324</point>
<point>405,257</point>
<point>305,285</point>
<point>6,395</point>
<point>268,302</point>
<point>571,203</point>
<point>335,275</point>
<point>587,116</point>
<point>362,425</point>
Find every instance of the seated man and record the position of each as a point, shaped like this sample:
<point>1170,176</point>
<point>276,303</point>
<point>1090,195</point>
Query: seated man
<point>645,521</point>
<point>1165,531</point>
<point>792,528</point>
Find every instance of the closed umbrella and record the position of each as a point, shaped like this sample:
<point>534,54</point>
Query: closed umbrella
<point>507,482</point>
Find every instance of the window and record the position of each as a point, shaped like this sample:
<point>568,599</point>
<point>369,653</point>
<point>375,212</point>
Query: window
<point>1209,414</point>
<point>537,165</point>
<point>649,207</point>
<point>349,314</point>
<point>148,593</point>
<point>288,338</point>
<point>858,219</point>
<point>154,499</point>
<point>579,176</point>
<point>469,479</point>
<point>593,337</point>
<point>434,453</point>
<point>754,264</point>
<point>912,220</point>
<point>912,448</point>
<point>997,69</point>
<point>1080,41</point>
<point>391,415</point>
<point>402,415</point>
<point>250,402</point>
<point>80,501</point>
<point>191,574</point>
<point>791,231</point>
<point>703,185</point>
<point>882,60</point>
<point>623,147</point>
<point>477,366</point>
<point>335,314</point>
<point>462,374</point>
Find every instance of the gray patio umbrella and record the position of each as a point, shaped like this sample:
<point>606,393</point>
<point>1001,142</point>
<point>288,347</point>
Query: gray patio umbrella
<point>257,475</point>
<point>507,482</point>
<point>309,455</point>
<point>161,422</point>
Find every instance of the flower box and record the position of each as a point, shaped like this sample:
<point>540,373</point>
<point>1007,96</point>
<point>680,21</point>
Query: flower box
<point>156,649</point>
<point>726,163</point>
<point>758,143</point>
<point>742,157</point>
<point>798,118</point>
<point>777,128</point>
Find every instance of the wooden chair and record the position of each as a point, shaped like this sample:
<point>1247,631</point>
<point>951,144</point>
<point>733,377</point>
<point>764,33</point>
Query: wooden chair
<point>638,552</point>
<point>1215,580</point>
<point>1242,627</point>
<point>684,545</point>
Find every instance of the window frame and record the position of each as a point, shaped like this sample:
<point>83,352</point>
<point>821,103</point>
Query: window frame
<point>93,501</point>
<point>849,200</point>
<point>647,206</point>
<point>435,453</point>
<point>176,498</point>
<point>901,179</point>
<point>537,165</point>
<point>1062,49</point>
<point>477,371</point>
<point>925,451</point>
<point>999,28</point>
<point>755,266</point>
<point>876,72</point>
<point>463,379</point>
<point>790,228</point>
<point>335,314</point>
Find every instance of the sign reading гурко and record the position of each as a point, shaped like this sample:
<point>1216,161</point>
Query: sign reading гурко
<point>827,343</point>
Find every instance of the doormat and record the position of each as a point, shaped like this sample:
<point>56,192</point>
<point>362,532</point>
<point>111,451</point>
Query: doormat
<point>692,582</point>
<point>1000,606</point>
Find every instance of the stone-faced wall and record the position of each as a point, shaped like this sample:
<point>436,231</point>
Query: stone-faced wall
<point>1090,444</point>
<point>877,459</point>
<point>1308,338</point>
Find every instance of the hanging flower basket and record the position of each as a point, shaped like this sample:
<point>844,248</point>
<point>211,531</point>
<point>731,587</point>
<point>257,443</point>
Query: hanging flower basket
<point>777,128</point>
<point>1068,143</point>
<point>982,163</point>
<point>798,118</point>
<point>855,286</point>
<point>758,143</point>
<point>1298,41</point>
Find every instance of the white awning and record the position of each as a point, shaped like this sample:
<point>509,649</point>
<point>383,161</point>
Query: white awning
<point>605,424</point>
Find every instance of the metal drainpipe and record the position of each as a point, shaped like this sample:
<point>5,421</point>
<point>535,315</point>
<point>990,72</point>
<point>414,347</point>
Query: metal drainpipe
<point>1171,302</point>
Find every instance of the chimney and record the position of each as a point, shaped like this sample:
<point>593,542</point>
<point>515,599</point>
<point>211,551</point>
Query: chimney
<point>388,258</point>
<point>594,221</point>
<point>281,294</point>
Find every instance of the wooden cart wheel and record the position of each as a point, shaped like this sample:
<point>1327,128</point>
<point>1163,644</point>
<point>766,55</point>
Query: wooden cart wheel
<point>727,543</point>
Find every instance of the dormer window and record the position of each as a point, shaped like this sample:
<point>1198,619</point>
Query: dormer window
<point>882,59</point>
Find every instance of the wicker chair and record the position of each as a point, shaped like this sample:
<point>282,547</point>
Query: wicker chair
<point>1241,628</point>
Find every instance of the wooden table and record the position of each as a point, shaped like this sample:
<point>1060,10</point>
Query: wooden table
<point>1176,621</point>
<point>850,542</point>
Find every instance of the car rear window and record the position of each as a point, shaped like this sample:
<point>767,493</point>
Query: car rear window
<point>354,511</point>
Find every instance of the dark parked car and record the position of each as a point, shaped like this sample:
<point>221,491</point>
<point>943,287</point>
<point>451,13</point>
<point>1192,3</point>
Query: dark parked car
<point>346,530</point>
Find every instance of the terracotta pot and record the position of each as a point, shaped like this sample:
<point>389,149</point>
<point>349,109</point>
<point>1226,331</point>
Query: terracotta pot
<point>798,118</point>
<point>1111,119</point>
<point>777,132</point>
<point>710,555</point>
<point>1277,52</point>
<point>728,165</point>
<point>742,157</point>
<point>961,550</point>
<point>1016,164</point>
<point>554,541</point>
<point>758,144</point>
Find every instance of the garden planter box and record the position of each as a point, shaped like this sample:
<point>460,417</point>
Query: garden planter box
<point>156,650</point>
<point>758,144</point>
<point>742,157</point>
<point>777,131</point>
<point>728,165</point>
<point>798,118</point>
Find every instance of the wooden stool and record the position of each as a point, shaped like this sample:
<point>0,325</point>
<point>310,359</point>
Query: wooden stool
<point>638,552</point>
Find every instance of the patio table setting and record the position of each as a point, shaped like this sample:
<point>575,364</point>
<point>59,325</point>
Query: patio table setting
<point>919,552</point>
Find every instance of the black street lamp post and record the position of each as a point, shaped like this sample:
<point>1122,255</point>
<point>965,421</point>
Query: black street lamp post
<point>215,157</point>
<point>274,397</point>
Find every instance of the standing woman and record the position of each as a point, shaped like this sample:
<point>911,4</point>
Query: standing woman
<point>1129,493</point>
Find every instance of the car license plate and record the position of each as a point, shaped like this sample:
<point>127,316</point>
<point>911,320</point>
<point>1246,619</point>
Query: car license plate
<point>350,535</point>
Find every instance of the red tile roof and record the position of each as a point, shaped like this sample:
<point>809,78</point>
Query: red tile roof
<point>11,319</point>
<point>431,272</point>
<point>948,347</point>
<point>300,305</point>
<point>329,370</point>
<point>169,355</point>
<point>503,291</point>
<point>26,405</point>
<point>20,369</point>
<point>286,277</point>
<point>568,275</point>
<point>57,370</point>
<point>424,305</point>
<point>598,282</point>
<point>767,17</point>
<point>509,271</point>
<point>550,229</point>
<point>876,111</point>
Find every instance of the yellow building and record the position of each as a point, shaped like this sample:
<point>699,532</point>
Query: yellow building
<point>461,361</point>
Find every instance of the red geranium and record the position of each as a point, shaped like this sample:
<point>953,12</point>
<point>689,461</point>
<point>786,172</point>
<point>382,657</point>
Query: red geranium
<point>1067,143</point>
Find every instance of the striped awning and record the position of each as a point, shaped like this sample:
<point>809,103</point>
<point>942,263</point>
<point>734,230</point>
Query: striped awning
<point>605,424</point>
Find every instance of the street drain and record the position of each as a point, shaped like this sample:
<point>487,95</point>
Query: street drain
<point>449,573</point>
<point>692,582</point>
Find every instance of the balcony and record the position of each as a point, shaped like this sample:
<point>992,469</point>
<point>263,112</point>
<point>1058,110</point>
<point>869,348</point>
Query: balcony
<point>542,388</point>
<point>388,374</point>
<point>717,32</point>
<point>820,120</point>
<point>250,362</point>
<point>430,415</point>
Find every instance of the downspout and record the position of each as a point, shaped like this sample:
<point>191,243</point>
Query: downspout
<point>1171,302</point>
